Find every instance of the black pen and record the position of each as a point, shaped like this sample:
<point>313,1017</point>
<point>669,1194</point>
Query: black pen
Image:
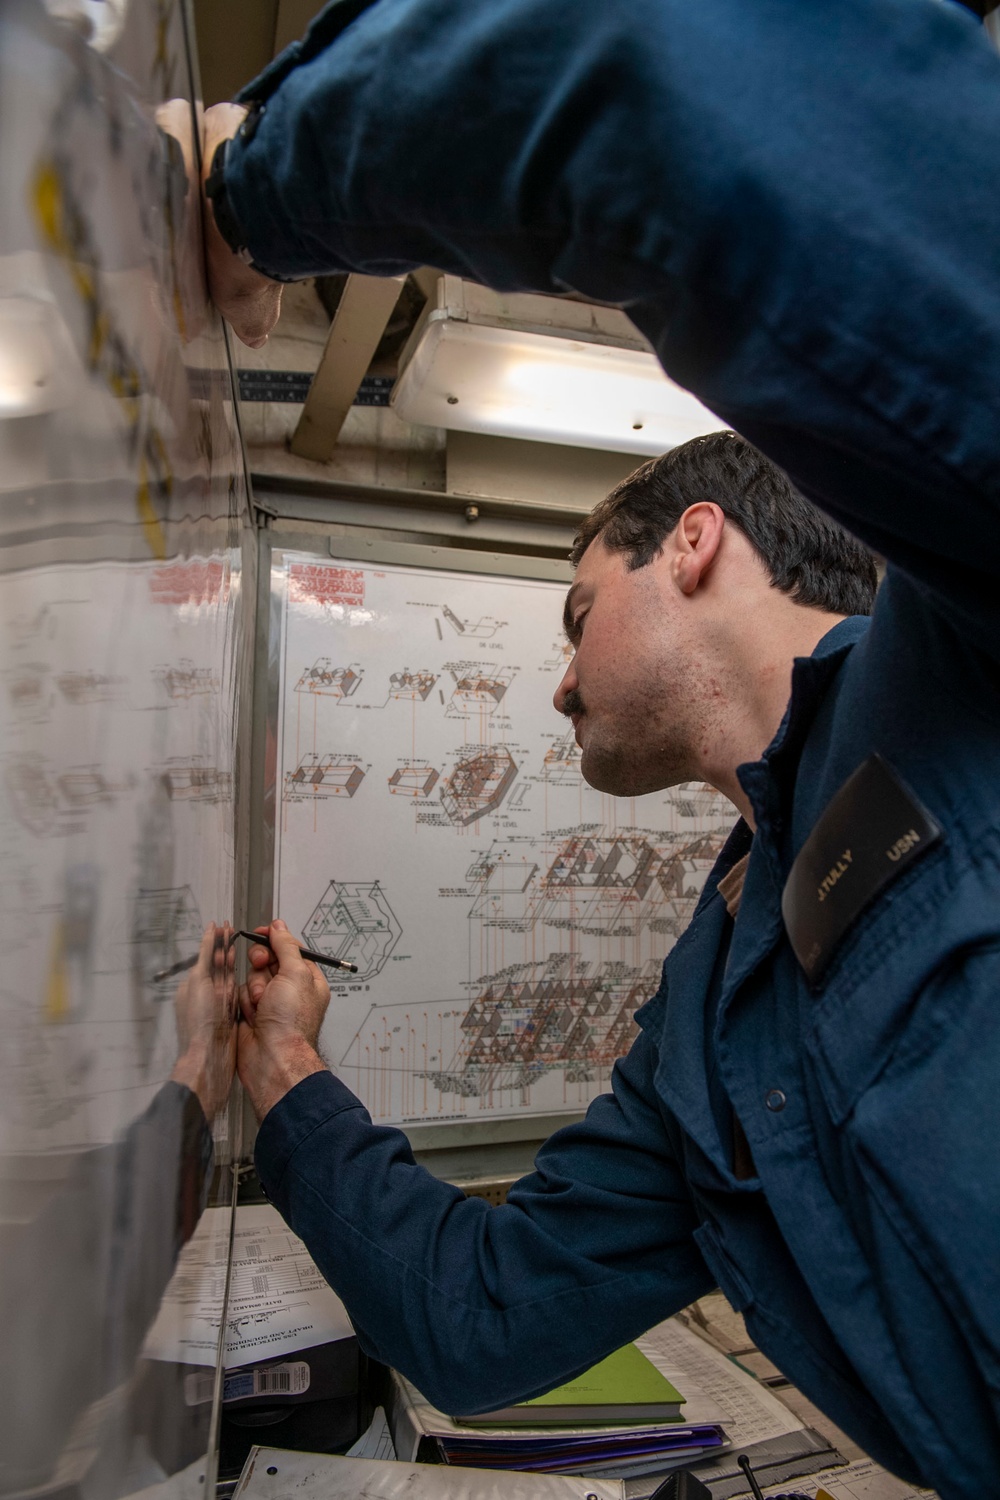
<point>265,942</point>
<point>316,958</point>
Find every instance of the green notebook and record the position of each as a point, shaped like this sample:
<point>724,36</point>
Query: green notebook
<point>625,1387</point>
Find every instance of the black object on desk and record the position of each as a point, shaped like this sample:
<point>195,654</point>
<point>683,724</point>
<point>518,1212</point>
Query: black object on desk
<point>681,1486</point>
<point>744,1464</point>
<point>684,1486</point>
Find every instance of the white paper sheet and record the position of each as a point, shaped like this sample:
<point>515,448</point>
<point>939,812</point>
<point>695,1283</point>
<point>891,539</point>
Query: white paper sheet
<point>863,1480</point>
<point>376,1442</point>
<point>278,1299</point>
<point>710,1381</point>
<point>274,1474</point>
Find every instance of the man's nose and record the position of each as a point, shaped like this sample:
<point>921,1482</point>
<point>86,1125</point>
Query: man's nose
<point>567,685</point>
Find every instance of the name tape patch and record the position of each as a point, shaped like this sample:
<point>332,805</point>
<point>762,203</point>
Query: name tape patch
<point>872,830</point>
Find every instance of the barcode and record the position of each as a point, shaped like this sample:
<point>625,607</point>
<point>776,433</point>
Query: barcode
<point>239,1385</point>
<point>289,1379</point>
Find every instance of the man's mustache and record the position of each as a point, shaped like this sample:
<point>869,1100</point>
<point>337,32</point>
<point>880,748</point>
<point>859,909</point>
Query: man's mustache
<point>572,703</point>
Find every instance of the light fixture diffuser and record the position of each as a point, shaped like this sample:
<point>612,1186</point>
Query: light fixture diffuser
<point>541,368</point>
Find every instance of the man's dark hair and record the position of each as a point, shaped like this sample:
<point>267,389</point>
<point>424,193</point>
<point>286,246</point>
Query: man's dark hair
<point>808,556</point>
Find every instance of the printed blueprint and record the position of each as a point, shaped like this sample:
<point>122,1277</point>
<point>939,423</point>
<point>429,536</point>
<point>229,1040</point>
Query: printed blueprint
<point>116,829</point>
<point>507,920</point>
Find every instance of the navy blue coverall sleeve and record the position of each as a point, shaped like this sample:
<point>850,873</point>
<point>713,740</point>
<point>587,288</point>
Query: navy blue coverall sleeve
<point>796,203</point>
<point>481,1305</point>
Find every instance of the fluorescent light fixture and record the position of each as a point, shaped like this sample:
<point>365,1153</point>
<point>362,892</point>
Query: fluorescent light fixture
<point>33,357</point>
<point>542,368</point>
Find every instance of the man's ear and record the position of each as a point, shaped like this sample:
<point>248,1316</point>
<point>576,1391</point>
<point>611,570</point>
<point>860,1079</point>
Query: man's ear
<point>696,540</point>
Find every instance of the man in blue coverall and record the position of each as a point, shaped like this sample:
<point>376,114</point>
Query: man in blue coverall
<point>796,204</point>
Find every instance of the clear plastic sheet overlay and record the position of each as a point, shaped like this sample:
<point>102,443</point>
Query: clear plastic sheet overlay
<point>124,605</point>
<point>274,1474</point>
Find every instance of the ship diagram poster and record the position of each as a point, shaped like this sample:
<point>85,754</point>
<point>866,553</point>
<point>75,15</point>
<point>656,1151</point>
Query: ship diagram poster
<point>433,827</point>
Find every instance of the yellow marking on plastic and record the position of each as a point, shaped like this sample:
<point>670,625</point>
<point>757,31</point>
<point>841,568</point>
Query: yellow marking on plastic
<point>57,993</point>
<point>47,197</point>
<point>123,380</point>
<point>178,300</point>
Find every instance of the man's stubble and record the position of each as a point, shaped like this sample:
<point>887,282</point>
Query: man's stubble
<point>644,740</point>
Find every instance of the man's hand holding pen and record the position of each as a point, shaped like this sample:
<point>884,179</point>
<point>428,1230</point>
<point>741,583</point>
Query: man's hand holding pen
<point>283,1004</point>
<point>206,1010</point>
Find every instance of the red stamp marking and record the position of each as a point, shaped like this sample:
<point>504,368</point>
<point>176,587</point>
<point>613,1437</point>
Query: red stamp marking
<point>195,580</point>
<point>316,583</point>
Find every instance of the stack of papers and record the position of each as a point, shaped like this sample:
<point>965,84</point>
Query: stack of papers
<point>722,1404</point>
<point>613,1452</point>
<point>718,1395</point>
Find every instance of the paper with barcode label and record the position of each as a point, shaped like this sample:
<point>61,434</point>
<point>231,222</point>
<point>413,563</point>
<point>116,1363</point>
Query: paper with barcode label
<point>278,1300</point>
<point>273,1380</point>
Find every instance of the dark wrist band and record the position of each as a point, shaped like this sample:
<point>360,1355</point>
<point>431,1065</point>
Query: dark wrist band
<point>226,221</point>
